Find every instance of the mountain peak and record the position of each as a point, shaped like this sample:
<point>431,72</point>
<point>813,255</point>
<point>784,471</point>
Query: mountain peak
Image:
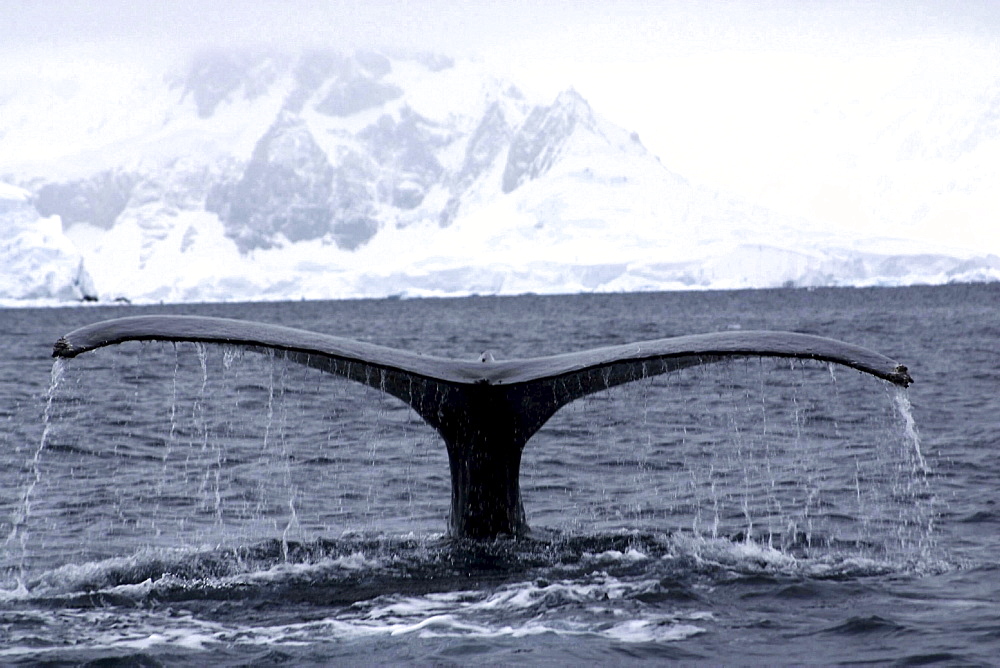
<point>572,103</point>
<point>540,141</point>
<point>285,189</point>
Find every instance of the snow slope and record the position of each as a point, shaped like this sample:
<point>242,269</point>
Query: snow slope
<point>257,175</point>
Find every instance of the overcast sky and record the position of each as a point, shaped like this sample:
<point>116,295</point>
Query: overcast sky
<point>469,26</point>
<point>724,91</point>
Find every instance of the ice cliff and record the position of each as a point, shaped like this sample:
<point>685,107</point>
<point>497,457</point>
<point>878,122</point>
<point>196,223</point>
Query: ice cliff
<point>39,261</point>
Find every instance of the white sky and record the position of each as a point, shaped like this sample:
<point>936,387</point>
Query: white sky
<point>784,102</point>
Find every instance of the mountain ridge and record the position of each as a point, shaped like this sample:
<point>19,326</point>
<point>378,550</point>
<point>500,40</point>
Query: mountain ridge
<point>262,175</point>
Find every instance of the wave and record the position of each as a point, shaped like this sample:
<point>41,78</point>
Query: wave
<point>367,565</point>
<point>623,587</point>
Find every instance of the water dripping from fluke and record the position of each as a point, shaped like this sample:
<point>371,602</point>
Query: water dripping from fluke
<point>485,410</point>
<point>19,528</point>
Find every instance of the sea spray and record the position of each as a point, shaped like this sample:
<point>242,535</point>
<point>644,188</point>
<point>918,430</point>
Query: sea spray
<point>901,400</point>
<point>784,453</point>
<point>292,521</point>
<point>715,441</point>
<point>914,480</point>
<point>19,530</point>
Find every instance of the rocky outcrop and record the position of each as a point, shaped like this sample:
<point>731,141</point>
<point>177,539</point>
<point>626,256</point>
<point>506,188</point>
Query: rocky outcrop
<point>405,153</point>
<point>352,208</point>
<point>217,75</point>
<point>299,185</point>
<point>490,138</point>
<point>346,85</point>
<point>285,189</point>
<point>350,95</point>
<point>538,143</point>
<point>97,200</point>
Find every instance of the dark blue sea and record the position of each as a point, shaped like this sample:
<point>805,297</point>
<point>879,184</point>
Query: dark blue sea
<point>182,504</point>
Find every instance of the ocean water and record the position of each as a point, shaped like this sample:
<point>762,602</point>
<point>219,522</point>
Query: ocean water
<point>185,504</point>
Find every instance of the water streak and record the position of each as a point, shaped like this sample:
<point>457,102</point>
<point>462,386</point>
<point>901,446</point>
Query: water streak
<point>19,530</point>
<point>901,400</point>
<point>915,482</point>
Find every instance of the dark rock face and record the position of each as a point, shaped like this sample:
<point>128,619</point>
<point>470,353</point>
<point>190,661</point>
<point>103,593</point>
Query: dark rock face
<point>375,64</point>
<point>354,82</point>
<point>349,96</point>
<point>216,75</point>
<point>435,62</point>
<point>97,200</point>
<point>352,207</point>
<point>491,136</point>
<point>404,150</point>
<point>289,187</point>
<point>315,67</point>
<point>537,145</point>
<point>181,184</point>
<point>286,189</point>
<point>311,71</point>
<point>356,86</point>
<point>488,140</point>
<point>352,232</point>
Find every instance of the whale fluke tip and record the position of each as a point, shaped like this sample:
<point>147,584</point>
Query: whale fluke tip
<point>901,376</point>
<point>63,348</point>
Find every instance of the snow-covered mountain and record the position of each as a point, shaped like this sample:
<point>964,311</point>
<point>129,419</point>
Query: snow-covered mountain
<point>259,175</point>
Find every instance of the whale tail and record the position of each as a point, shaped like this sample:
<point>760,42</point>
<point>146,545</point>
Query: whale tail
<point>485,410</point>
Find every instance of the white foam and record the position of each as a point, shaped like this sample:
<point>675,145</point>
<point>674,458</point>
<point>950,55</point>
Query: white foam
<point>100,576</point>
<point>453,614</point>
<point>496,613</point>
<point>748,556</point>
<point>117,629</point>
<point>725,552</point>
<point>310,570</point>
<point>643,630</point>
<point>598,603</point>
<point>631,555</point>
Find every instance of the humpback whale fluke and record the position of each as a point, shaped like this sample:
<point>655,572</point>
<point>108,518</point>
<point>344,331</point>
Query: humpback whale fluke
<point>485,410</point>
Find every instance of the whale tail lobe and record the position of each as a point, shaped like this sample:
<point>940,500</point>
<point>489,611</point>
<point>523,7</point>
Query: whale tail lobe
<point>485,410</point>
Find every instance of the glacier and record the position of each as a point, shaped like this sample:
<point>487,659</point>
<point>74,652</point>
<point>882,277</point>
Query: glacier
<point>257,175</point>
<point>39,261</point>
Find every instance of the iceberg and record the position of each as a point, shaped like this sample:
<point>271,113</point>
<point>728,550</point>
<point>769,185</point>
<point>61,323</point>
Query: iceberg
<point>40,262</point>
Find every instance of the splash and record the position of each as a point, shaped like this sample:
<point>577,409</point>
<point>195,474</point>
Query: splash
<point>19,531</point>
<point>786,454</point>
<point>901,400</point>
<point>258,448</point>
<point>914,480</point>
